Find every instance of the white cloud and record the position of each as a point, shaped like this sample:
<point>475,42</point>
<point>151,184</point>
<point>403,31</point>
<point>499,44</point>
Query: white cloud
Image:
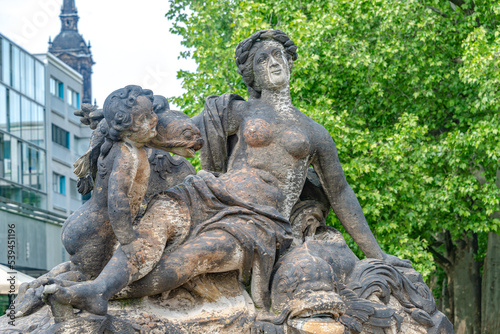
<point>131,42</point>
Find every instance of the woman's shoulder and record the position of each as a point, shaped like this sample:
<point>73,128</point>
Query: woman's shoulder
<point>318,134</point>
<point>313,126</point>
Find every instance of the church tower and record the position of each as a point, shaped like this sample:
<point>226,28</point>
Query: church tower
<point>70,47</point>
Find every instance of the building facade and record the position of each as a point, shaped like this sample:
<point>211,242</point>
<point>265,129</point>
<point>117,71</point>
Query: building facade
<point>40,138</point>
<point>68,139</point>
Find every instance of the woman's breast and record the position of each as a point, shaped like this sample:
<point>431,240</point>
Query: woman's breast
<point>296,143</point>
<point>257,132</point>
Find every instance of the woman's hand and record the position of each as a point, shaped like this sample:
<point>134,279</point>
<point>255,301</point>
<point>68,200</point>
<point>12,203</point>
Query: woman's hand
<point>396,261</point>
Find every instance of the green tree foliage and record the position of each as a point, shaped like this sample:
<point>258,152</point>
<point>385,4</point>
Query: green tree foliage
<point>409,91</point>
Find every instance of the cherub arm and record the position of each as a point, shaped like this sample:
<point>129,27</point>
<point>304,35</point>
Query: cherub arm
<point>119,187</point>
<point>344,202</point>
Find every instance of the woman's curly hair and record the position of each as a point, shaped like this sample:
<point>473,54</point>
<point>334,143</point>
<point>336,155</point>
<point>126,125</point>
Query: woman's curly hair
<point>245,53</point>
<point>117,107</point>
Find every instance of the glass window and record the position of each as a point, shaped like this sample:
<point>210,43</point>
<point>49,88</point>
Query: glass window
<point>73,98</point>
<point>5,61</point>
<point>16,68</point>
<point>38,119</point>
<point>40,82</point>
<point>26,167</point>
<point>56,88</point>
<point>76,99</point>
<point>40,170</point>
<point>10,191</point>
<point>33,198</point>
<point>5,162</point>
<point>30,76</point>
<point>1,59</point>
<point>53,86</point>
<point>26,125</point>
<point>60,136</point>
<point>59,184</point>
<point>14,107</point>
<point>16,150</point>
<point>33,162</point>
<point>70,96</point>
<point>22,72</point>
<point>61,90</point>
<point>3,108</point>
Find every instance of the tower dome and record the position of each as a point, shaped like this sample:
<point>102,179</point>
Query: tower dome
<point>71,48</point>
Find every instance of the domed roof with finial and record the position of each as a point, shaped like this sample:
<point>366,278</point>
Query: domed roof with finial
<point>69,40</point>
<point>70,47</point>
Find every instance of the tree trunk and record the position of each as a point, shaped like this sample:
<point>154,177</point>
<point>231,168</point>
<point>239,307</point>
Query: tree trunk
<point>466,279</point>
<point>447,300</point>
<point>490,306</point>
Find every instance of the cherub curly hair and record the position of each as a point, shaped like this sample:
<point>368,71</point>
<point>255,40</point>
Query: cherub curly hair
<point>101,143</point>
<point>117,107</point>
<point>245,53</point>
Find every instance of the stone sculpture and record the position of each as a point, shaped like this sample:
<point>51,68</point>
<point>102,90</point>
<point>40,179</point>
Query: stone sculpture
<point>254,217</point>
<point>88,234</point>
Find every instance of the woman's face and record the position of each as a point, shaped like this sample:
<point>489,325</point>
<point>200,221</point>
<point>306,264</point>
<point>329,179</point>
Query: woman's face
<point>270,65</point>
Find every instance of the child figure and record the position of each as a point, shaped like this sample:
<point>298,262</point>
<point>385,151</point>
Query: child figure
<point>90,234</point>
<point>119,170</point>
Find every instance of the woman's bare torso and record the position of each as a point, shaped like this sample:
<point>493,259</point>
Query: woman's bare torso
<point>269,163</point>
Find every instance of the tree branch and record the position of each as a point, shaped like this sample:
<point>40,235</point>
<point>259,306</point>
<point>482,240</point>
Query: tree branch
<point>435,10</point>
<point>448,242</point>
<point>460,3</point>
<point>440,259</point>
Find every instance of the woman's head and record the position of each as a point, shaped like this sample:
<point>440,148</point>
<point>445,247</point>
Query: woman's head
<point>247,49</point>
<point>122,105</point>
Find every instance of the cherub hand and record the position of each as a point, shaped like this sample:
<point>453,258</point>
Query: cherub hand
<point>89,115</point>
<point>396,261</point>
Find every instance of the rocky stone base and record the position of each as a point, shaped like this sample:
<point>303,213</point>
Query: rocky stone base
<point>222,310</point>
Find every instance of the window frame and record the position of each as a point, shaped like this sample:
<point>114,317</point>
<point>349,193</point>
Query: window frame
<point>56,88</point>
<point>59,183</point>
<point>61,136</point>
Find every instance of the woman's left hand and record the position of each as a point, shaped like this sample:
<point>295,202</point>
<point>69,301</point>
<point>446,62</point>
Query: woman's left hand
<point>396,261</point>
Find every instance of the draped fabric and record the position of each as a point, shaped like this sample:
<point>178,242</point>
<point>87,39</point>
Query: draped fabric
<point>261,231</point>
<point>212,123</point>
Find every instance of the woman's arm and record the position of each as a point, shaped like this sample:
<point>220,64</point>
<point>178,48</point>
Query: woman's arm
<point>344,202</point>
<point>119,186</point>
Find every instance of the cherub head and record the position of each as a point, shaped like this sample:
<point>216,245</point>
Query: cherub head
<point>129,114</point>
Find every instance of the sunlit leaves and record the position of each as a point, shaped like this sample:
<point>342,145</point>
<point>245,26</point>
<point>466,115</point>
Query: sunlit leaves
<point>409,91</point>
